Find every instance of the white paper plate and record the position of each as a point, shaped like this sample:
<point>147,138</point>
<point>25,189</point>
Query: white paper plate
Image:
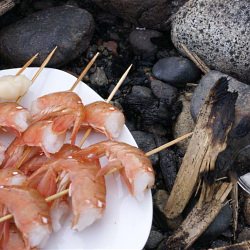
<point>126,223</point>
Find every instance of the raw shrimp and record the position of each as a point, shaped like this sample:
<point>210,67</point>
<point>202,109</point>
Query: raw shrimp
<point>66,106</point>
<point>10,176</point>
<point>42,134</point>
<point>11,87</point>
<point>105,118</point>
<point>134,166</point>
<point>30,212</point>
<point>14,240</point>
<point>2,152</point>
<point>39,134</point>
<point>14,118</point>
<point>40,159</point>
<point>88,193</point>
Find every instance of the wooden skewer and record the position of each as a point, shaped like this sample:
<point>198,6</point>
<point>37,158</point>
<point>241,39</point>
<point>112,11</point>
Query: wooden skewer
<point>156,150</point>
<point>40,69</point>
<point>84,72</point>
<point>87,133</point>
<point>26,65</point>
<point>66,191</point>
<point>91,62</point>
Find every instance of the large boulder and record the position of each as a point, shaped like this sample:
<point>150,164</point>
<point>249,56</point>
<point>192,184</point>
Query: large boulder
<point>152,14</point>
<point>218,32</point>
<point>69,28</point>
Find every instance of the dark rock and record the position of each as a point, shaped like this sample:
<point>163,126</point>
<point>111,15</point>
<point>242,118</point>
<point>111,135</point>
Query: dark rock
<point>176,71</point>
<point>244,235</point>
<point>164,91</point>
<point>218,243</point>
<point>239,136</point>
<point>218,32</point>
<point>168,164</point>
<point>152,14</point>
<point>218,226</point>
<point>67,27</point>
<point>144,108</point>
<point>154,239</point>
<point>141,43</point>
<point>146,143</point>
<point>184,123</point>
<point>99,77</point>
<point>159,215</point>
<point>142,92</point>
<point>246,209</point>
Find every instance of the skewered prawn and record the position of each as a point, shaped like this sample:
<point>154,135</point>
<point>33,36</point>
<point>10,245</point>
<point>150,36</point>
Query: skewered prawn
<point>66,107</point>
<point>40,134</point>
<point>14,240</point>
<point>88,193</point>
<point>2,152</point>
<point>105,118</point>
<point>134,166</point>
<point>30,212</point>
<point>40,159</point>
<point>9,177</point>
<point>14,118</point>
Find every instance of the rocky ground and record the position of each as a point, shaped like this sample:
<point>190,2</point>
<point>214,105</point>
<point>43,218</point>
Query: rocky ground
<point>163,92</point>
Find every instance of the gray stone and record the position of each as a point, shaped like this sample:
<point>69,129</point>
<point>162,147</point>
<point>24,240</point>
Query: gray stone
<point>176,71</point>
<point>154,239</point>
<point>239,136</point>
<point>69,28</point>
<point>99,77</point>
<point>141,43</point>
<point>146,143</point>
<point>184,123</point>
<point>160,218</point>
<point>152,14</point>
<point>220,224</point>
<point>218,32</point>
<point>164,91</point>
<point>244,235</point>
<point>142,92</point>
<point>246,209</point>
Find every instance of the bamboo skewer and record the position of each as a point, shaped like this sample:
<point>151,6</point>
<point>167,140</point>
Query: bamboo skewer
<point>66,191</point>
<point>87,133</point>
<point>84,72</point>
<point>39,70</point>
<point>27,64</point>
<point>168,144</point>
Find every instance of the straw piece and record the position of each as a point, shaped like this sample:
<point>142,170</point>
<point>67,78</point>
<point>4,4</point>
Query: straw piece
<point>84,72</point>
<point>27,64</point>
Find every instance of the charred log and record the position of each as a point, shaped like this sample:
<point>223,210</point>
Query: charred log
<point>209,139</point>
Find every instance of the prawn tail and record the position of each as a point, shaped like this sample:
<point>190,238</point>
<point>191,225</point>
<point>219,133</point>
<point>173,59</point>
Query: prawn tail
<point>90,153</point>
<point>110,168</point>
<point>76,128</point>
<point>62,124</point>
<point>48,186</point>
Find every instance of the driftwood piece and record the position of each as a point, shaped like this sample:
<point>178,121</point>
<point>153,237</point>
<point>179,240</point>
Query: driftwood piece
<point>209,139</point>
<point>6,5</point>
<point>245,245</point>
<point>199,219</point>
